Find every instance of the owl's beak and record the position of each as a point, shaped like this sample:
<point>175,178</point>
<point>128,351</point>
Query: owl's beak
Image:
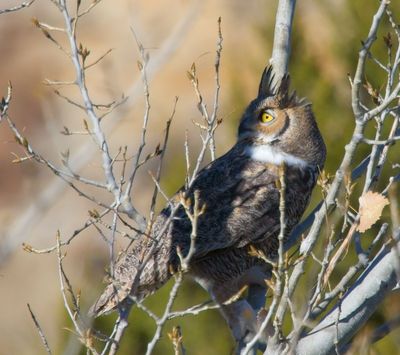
<point>273,141</point>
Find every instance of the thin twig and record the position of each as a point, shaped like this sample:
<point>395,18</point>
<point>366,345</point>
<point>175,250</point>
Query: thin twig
<point>66,287</point>
<point>167,311</point>
<point>18,7</point>
<point>217,89</point>
<point>40,331</point>
<point>156,180</point>
<point>143,70</point>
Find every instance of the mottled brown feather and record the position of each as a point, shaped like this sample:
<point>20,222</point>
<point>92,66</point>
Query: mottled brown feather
<point>242,204</point>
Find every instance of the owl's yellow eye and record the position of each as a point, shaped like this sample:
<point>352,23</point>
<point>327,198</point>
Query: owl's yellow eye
<point>266,117</point>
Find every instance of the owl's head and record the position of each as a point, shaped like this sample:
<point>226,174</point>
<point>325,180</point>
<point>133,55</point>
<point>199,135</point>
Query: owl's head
<point>279,127</point>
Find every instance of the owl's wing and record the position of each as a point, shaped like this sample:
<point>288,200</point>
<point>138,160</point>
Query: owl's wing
<point>241,205</point>
<point>129,275</point>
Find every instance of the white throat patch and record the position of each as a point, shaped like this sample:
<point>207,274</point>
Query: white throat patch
<point>271,155</point>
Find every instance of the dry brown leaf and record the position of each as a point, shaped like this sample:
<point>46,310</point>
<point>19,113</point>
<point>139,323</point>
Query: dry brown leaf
<point>371,206</point>
<point>342,250</point>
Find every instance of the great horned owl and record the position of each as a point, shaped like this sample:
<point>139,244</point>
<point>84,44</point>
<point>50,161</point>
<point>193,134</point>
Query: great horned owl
<point>242,198</point>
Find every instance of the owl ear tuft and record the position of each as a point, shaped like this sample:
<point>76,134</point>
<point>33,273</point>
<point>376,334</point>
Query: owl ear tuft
<point>280,90</point>
<point>266,83</point>
<point>282,93</point>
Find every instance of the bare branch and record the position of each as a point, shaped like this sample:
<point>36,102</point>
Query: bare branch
<point>356,306</point>
<point>120,327</point>
<point>97,131</point>
<point>16,233</point>
<point>283,31</point>
<point>167,311</point>
<point>363,54</point>
<point>345,280</point>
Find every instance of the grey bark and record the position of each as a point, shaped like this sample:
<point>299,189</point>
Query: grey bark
<point>282,37</point>
<point>356,307</point>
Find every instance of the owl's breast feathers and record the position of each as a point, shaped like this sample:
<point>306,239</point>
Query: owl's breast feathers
<point>242,208</point>
<point>242,199</point>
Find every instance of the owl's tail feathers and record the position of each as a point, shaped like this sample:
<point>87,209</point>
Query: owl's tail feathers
<point>111,299</point>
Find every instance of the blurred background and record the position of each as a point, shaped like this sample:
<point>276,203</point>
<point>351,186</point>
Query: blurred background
<point>176,33</point>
